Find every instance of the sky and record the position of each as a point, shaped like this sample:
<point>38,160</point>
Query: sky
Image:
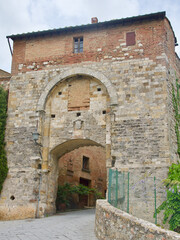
<point>21,16</point>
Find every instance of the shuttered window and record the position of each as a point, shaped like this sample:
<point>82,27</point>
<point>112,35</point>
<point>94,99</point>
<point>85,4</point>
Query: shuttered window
<point>130,38</point>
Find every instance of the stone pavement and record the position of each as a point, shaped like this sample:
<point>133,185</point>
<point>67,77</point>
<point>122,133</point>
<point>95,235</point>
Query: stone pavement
<point>76,225</point>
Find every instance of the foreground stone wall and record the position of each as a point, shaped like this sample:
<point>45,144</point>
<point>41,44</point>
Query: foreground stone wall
<point>112,223</point>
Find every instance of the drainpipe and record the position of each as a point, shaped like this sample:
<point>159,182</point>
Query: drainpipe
<point>40,182</point>
<point>35,136</point>
<point>9,46</point>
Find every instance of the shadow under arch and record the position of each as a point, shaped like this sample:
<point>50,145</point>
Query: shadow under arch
<point>75,71</point>
<point>71,145</point>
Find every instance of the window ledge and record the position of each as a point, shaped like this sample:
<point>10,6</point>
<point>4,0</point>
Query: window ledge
<point>85,170</point>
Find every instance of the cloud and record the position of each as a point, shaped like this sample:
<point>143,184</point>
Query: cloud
<point>83,10</point>
<point>34,15</point>
<point>15,17</point>
<point>172,9</point>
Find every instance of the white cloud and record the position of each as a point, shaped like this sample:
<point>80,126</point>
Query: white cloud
<point>15,17</point>
<point>83,10</point>
<point>33,15</point>
<point>172,9</point>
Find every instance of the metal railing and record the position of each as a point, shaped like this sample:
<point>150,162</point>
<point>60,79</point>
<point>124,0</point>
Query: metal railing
<point>123,189</point>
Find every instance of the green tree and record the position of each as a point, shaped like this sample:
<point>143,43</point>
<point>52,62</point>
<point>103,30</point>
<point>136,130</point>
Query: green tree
<point>3,116</point>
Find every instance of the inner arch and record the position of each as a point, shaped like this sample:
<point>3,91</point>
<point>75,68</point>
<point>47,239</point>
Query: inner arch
<point>75,71</point>
<point>70,145</point>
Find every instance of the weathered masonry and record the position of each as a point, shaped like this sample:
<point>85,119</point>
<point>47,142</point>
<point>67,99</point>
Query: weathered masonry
<point>104,85</point>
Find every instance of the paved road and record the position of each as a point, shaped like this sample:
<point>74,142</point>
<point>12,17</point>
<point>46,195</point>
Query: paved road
<point>77,225</point>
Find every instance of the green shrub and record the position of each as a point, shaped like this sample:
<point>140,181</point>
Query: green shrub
<point>65,192</point>
<point>171,205</point>
<point>3,116</point>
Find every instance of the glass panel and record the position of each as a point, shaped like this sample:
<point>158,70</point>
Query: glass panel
<point>76,50</point>
<point>78,45</point>
<point>81,46</point>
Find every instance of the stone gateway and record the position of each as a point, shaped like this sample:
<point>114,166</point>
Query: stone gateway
<point>105,85</point>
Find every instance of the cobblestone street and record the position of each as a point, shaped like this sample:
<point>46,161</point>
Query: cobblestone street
<point>76,225</point>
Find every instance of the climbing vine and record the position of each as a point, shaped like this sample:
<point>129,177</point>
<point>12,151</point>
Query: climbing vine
<point>176,105</point>
<point>171,205</point>
<point>3,116</point>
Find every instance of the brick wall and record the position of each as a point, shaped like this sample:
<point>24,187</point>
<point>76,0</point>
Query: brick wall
<point>71,168</point>
<point>99,45</point>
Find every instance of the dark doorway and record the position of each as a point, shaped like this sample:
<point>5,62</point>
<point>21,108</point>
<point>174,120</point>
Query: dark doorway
<point>84,199</point>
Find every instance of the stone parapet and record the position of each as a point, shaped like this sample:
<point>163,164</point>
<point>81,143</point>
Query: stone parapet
<point>112,223</point>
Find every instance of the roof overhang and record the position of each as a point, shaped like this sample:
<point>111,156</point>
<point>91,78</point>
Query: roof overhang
<point>123,21</point>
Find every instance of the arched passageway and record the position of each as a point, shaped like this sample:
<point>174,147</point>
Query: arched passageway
<point>78,162</point>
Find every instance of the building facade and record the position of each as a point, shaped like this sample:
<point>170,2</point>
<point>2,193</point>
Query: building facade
<point>4,79</point>
<point>104,85</point>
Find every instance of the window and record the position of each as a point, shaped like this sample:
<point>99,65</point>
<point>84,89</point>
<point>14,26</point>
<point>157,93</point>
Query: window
<point>130,38</point>
<point>78,45</point>
<point>85,163</point>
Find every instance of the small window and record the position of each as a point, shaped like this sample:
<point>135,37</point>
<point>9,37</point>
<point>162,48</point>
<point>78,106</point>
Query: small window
<point>59,93</point>
<point>104,112</point>
<point>78,114</point>
<point>85,163</point>
<point>99,89</point>
<point>78,45</point>
<point>53,115</point>
<point>130,38</point>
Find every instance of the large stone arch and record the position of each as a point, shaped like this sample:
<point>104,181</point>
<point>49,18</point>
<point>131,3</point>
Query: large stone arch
<point>74,71</point>
<point>100,136</point>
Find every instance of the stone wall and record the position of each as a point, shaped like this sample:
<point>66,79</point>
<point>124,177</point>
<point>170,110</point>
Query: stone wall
<point>134,130</point>
<point>112,223</point>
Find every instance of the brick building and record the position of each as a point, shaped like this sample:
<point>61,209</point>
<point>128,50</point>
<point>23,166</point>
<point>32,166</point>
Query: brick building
<point>4,79</point>
<point>102,85</point>
<point>86,166</point>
